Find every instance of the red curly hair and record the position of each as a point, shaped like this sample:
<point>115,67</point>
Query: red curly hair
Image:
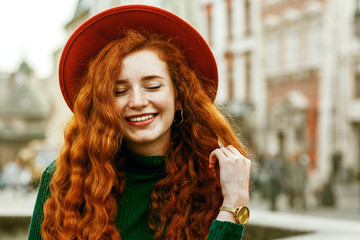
<point>89,178</point>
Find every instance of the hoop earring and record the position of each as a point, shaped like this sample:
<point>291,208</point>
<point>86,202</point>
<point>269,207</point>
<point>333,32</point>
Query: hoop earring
<point>182,117</point>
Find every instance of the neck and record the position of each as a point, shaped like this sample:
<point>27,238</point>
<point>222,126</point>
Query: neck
<point>148,149</point>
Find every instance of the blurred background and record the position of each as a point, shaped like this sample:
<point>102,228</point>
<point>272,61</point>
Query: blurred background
<point>289,75</point>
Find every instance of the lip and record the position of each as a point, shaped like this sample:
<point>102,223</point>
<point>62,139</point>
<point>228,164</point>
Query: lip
<point>141,123</point>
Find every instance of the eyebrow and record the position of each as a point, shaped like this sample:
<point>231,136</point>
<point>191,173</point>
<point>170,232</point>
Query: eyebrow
<point>145,78</point>
<point>151,77</point>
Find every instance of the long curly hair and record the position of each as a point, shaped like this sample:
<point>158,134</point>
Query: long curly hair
<point>89,178</point>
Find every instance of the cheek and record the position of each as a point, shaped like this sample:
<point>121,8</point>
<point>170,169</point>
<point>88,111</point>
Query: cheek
<point>167,112</point>
<point>120,105</point>
<point>167,104</point>
<point>170,108</point>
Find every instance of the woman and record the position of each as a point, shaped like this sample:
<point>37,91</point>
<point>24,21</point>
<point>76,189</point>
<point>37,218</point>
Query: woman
<point>141,158</point>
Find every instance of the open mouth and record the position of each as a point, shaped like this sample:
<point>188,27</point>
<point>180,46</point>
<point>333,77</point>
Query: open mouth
<point>141,118</point>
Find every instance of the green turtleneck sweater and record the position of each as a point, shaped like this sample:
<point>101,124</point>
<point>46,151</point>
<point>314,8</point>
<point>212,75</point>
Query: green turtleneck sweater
<point>131,220</point>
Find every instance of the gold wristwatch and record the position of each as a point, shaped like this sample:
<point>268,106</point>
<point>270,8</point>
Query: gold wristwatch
<point>242,213</point>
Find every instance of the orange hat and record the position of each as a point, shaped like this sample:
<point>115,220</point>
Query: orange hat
<point>99,30</point>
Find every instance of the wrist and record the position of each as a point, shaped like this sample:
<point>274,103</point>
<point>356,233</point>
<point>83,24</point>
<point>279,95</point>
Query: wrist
<point>235,202</point>
<point>226,216</point>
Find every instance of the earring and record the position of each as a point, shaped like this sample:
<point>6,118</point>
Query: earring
<point>181,112</point>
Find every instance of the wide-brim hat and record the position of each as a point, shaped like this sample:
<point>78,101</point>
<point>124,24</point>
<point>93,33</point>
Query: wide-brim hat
<point>95,33</point>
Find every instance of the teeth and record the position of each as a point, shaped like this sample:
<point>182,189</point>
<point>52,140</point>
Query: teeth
<point>143,118</point>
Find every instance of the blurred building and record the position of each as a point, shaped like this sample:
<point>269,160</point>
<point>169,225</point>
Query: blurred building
<point>297,77</point>
<point>24,111</point>
<point>310,61</point>
<point>289,70</point>
<point>347,85</point>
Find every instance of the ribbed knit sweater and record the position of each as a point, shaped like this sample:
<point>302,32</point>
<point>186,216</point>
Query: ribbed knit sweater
<point>142,172</point>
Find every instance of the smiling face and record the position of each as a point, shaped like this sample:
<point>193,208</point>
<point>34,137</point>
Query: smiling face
<point>146,101</point>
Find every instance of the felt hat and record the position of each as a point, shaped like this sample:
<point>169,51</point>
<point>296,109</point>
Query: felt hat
<point>95,33</point>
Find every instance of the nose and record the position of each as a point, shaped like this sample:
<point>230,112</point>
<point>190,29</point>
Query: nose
<point>138,99</point>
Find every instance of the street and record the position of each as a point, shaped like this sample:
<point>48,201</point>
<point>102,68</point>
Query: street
<point>339,222</point>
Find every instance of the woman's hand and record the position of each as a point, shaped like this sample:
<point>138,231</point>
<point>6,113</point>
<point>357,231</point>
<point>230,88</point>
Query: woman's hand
<point>234,178</point>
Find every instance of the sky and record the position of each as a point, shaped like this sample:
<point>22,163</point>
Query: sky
<point>31,31</point>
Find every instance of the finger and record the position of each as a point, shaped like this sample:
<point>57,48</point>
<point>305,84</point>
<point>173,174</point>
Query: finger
<point>238,156</point>
<point>214,156</point>
<point>212,159</point>
<point>227,152</point>
<point>234,151</point>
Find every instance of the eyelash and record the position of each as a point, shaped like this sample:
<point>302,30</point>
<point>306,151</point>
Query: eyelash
<point>151,88</point>
<point>120,92</point>
<point>154,87</point>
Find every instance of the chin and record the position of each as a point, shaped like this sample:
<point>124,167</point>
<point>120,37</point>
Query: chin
<point>141,139</point>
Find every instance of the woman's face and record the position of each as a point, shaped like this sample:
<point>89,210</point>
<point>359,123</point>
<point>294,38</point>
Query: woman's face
<point>146,101</point>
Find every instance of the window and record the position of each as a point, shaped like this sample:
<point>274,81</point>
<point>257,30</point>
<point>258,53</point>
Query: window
<point>314,41</point>
<point>357,82</point>
<point>272,53</point>
<point>229,58</point>
<point>292,48</point>
<point>229,13</point>
<point>209,22</point>
<point>247,75</point>
<point>247,17</point>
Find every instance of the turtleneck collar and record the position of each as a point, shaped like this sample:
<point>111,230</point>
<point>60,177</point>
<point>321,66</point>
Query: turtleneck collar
<point>137,164</point>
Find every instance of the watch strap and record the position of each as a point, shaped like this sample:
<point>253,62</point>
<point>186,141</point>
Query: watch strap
<point>228,209</point>
<point>241,213</point>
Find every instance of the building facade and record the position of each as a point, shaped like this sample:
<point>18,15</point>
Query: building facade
<point>233,30</point>
<point>294,74</point>
<point>295,64</point>
<point>347,86</point>
<point>24,113</point>
<point>311,72</point>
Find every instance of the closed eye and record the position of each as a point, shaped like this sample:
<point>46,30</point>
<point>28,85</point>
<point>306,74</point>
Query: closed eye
<point>154,87</point>
<point>120,92</point>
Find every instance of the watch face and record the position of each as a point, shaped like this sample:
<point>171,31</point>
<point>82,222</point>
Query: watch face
<point>243,215</point>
